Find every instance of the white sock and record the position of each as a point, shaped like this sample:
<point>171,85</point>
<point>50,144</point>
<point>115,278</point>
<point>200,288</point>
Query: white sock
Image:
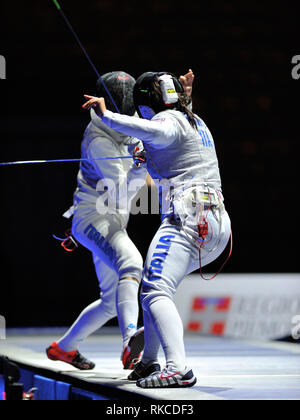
<point>168,325</point>
<point>152,343</point>
<point>127,308</point>
<point>91,319</point>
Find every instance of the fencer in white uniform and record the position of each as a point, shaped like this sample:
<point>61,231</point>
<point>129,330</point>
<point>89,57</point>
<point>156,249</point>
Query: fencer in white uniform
<point>181,157</point>
<point>99,223</point>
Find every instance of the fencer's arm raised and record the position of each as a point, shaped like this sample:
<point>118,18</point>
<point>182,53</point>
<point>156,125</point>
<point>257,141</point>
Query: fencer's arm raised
<point>158,131</point>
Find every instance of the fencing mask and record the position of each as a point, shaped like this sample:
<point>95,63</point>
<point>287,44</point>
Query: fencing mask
<point>120,86</point>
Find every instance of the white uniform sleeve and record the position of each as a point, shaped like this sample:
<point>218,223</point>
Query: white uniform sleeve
<point>137,174</point>
<point>159,132</point>
<point>113,169</point>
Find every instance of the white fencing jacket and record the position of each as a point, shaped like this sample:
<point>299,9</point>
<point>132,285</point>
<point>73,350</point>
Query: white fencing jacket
<point>175,151</point>
<point>101,141</point>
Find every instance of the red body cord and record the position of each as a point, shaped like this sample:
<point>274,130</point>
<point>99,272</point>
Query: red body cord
<point>203,232</point>
<point>222,266</point>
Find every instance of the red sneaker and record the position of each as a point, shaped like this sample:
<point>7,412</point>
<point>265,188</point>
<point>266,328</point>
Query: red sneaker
<point>131,354</point>
<point>74,358</point>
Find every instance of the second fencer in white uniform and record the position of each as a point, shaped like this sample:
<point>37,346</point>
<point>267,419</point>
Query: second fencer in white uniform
<point>182,159</point>
<point>99,224</point>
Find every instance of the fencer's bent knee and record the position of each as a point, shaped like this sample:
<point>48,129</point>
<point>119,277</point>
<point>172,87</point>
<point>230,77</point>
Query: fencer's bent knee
<point>130,279</point>
<point>151,293</point>
<point>131,266</point>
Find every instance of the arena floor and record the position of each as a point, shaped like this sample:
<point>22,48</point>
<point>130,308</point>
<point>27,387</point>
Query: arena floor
<point>225,368</point>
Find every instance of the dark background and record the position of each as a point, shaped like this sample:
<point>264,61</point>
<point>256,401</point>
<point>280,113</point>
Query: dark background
<point>241,55</point>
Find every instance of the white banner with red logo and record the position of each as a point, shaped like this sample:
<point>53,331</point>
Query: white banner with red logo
<point>256,306</point>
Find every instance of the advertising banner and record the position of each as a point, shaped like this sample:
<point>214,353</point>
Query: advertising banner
<point>255,306</point>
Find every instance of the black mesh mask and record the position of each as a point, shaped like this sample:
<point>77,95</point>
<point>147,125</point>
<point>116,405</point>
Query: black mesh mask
<point>120,85</point>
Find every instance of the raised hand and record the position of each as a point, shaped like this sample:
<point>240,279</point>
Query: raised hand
<point>187,82</point>
<point>98,104</point>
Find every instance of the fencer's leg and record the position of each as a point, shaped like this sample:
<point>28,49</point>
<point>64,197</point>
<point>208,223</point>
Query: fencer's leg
<point>90,320</point>
<point>149,363</point>
<point>169,329</point>
<point>128,312</point>
<point>98,313</point>
<point>169,259</point>
<point>129,265</point>
<point>152,342</point>
<point>223,239</point>
<point>105,237</point>
<point>127,307</point>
